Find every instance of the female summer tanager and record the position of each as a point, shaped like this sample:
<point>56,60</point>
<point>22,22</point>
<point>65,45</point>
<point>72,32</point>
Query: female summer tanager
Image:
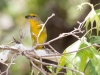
<point>35,27</point>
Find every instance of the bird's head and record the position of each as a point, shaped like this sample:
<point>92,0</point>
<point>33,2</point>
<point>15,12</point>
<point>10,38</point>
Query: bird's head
<point>33,17</point>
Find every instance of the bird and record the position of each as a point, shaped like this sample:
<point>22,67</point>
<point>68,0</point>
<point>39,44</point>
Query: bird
<point>35,26</point>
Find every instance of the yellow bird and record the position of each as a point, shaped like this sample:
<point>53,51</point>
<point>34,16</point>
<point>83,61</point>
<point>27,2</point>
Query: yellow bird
<point>35,27</point>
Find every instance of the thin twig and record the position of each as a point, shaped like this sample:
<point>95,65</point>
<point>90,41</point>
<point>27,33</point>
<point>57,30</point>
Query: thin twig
<point>8,48</point>
<point>12,60</point>
<point>39,69</point>
<point>59,37</point>
<point>55,52</point>
<point>45,24</point>
<point>44,63</point>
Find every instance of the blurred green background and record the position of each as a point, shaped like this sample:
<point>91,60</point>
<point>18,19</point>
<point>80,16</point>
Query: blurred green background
<point>12,20</point>
<point>12,15</point>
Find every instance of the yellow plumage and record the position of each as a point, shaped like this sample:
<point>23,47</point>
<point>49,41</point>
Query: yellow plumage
<point>35,27</point>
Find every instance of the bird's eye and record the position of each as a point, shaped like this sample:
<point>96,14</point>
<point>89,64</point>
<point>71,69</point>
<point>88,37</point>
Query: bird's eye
<point>33,16</point>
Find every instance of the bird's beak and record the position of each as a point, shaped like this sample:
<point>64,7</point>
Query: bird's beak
<point>27,16</point>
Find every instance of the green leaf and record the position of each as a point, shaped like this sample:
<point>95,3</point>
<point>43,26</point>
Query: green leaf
<point>90,69</point>
<point>91,17</point>
<point>98,12</point>
<point>67,58</point>
<point>89,53</point>
<point>96,60</point>
<point>83,56</point>
<point>95,39</point>
<point>97,20</point>
<point>62,62</point>
<point>79,59</point>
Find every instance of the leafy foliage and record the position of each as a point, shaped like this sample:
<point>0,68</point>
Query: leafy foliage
<point>82,55</point>
<point>90,70</point>
<point>82,58</point>
<point>93,16</point>
<point>95,39</point>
